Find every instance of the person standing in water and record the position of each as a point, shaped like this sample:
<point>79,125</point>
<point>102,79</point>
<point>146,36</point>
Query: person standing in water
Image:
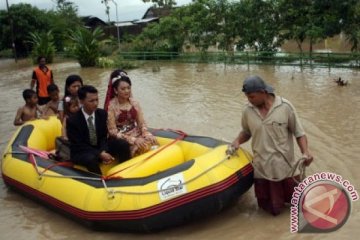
<point>42,77</point>
<point>272,122</point>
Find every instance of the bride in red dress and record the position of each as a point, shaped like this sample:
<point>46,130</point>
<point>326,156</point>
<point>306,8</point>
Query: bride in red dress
<point>125,117</point>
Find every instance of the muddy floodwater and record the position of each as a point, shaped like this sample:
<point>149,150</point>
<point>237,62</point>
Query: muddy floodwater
<point>203,99</point>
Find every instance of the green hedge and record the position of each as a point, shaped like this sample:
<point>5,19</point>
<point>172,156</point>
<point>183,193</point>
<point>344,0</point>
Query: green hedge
<point>276,58</point>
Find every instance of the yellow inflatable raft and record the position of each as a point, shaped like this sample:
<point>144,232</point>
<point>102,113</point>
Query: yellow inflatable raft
<point>185,178</point>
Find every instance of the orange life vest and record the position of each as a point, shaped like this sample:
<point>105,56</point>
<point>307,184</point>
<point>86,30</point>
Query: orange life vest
<point>42,81</point>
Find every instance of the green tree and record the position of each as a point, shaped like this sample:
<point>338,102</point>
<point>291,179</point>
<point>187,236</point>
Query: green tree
<point>257,25</point>
<point>148,40</point>
<point>64,5</point>
<point>226,29</point>
<point>43,45</point>
<point>107,8</point>
<point>324,20</point>
<point>167,35</point>
<point>313,20</point>
<point>203,23</point>
<point>200,24</point>
<point>352,27</point>
<point>293,19</point>
<point>26,19</point>
<point>87,45</point>
<point>65,15</point>
<point>261,25</point>
<point>162,3</point>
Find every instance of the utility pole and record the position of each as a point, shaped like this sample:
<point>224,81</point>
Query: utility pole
<point>12,31</point>
<point>117,21</point>
<point>106,2</point>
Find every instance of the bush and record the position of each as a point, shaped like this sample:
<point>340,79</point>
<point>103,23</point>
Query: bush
<point>6,53</point>
<point>122,63</point>
<point>118,62</point>
<point>43,45</point>
<point>86,47</point>
<point>105,62</point>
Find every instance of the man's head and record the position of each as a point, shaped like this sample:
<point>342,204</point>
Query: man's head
<point>255,84</point>
<point>41,60</point>
<point>256,90</point>
<point>30,97</point>
<point>88,96</point>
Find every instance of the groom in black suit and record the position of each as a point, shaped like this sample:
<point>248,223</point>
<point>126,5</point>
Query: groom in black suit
<point>88,134</point>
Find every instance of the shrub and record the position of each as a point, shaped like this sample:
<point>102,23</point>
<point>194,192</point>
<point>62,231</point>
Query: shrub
<point>6,53</point>
<point>43,45</point>
<point>86,47</point>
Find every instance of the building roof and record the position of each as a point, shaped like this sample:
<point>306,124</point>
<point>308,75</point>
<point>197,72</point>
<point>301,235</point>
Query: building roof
<point>124,23</point>
<point>146,20</point>
<point>157,12</point>
<point>91,21</point>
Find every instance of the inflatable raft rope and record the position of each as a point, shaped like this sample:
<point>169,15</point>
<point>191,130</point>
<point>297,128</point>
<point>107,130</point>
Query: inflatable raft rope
<point>45,155</point>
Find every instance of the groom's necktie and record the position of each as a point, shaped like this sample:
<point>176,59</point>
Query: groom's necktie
<point>92,131</point>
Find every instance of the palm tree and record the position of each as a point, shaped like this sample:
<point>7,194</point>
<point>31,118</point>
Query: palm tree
<point>43,45</point>
<point>87,45</point>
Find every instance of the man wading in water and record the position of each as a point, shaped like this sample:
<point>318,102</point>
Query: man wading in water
<point>271,121</point>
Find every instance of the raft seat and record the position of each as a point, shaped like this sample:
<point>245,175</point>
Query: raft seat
<point>149,163</point>
<point>42,137</point>
<point>152,162</point>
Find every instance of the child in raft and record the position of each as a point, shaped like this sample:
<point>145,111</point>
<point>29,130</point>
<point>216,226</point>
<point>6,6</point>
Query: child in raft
<point>51,108</point>
<point>71,106</point>
<point>30,111</point>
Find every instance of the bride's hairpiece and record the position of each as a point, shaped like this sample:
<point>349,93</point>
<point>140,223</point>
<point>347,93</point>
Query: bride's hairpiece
<point>121,74</point>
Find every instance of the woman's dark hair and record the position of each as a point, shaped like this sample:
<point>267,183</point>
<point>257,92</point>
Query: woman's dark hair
<point>118,76</point>
<point>116,73</point>
<point>121,79</point>
<point>110,93</point>
<point>70,80</point>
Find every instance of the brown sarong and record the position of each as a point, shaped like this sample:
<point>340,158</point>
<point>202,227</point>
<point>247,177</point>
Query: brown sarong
<point>271,195</point>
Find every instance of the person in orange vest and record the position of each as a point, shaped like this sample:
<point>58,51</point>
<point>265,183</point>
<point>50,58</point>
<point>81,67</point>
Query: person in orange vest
<point>42,76</point>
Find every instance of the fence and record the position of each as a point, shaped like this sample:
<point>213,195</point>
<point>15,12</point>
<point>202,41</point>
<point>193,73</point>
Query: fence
<point>316,59</point>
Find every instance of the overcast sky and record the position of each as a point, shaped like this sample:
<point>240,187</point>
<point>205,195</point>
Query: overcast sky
<point>127,9</point>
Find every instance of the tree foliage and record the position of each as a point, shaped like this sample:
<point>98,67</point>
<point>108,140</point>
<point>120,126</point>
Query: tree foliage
<point>29,20</point>
<point>26,19</point>
<point>201,24</point>
<point>162,3</point>
<point>64,16</point>
<point>352,26</point>
<point>262,25</point>
<point>42,45</point>
<point>293,20</point>
<point>257,25</point>
<point>107,8</point>
<point>313,20</point>
<point>86,45</point>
